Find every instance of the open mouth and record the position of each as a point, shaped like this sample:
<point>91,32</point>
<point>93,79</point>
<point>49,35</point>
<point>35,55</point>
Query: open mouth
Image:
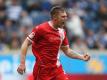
<point>63,23</point>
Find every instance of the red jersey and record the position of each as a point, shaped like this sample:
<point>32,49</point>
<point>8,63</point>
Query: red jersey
<point>46,42</point>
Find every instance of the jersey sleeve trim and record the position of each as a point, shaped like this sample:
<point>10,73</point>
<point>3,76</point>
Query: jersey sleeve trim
<point>28,38</point>
<point>65,46</point>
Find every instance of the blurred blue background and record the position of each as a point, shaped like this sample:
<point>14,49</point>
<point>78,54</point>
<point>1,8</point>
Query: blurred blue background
<point>74,68</point>
<point>86,30</point>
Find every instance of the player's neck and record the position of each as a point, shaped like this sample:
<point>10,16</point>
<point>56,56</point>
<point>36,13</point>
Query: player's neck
<point>54,24</point>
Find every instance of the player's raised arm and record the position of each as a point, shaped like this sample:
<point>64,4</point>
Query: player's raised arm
<point>24,47</point>
<point>73,54</point>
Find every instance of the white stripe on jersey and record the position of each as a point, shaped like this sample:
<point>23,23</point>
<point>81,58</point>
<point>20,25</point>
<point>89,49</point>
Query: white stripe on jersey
<point>61,33</point>
<point>62,36</point>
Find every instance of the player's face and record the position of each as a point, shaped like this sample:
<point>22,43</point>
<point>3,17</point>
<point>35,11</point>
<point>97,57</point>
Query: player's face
<point>61,18</point>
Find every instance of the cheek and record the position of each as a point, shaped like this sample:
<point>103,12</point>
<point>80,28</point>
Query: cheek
<point>57,19</point>
<point>61,19</point>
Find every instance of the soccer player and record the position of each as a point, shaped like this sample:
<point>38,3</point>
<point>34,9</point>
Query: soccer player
<point>47,39</point>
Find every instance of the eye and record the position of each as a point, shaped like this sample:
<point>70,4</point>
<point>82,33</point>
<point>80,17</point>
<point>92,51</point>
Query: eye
<point>64,16</point>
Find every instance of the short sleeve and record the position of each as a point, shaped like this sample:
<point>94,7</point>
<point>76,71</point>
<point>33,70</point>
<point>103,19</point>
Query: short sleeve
<point>35,34</point>
<point>65,41</point>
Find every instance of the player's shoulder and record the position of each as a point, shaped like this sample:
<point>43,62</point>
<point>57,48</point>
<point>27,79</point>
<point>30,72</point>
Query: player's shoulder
<point>41,26</point>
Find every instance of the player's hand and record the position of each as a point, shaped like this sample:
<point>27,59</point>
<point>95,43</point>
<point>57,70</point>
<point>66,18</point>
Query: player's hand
<point>21,69</point>
<point>86,57</point>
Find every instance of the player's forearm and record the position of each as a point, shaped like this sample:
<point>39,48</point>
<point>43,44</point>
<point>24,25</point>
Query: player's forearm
<point>73,54</point>
<point>24,48</point>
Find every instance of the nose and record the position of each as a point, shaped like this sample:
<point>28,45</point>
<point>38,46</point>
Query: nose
<point>65,17</point>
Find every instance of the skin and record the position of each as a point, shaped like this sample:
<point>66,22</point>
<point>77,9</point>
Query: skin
<point>58,21</point>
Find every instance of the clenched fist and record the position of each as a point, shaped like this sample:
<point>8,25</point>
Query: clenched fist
<point>21,69</point>
<point>86,57</point>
